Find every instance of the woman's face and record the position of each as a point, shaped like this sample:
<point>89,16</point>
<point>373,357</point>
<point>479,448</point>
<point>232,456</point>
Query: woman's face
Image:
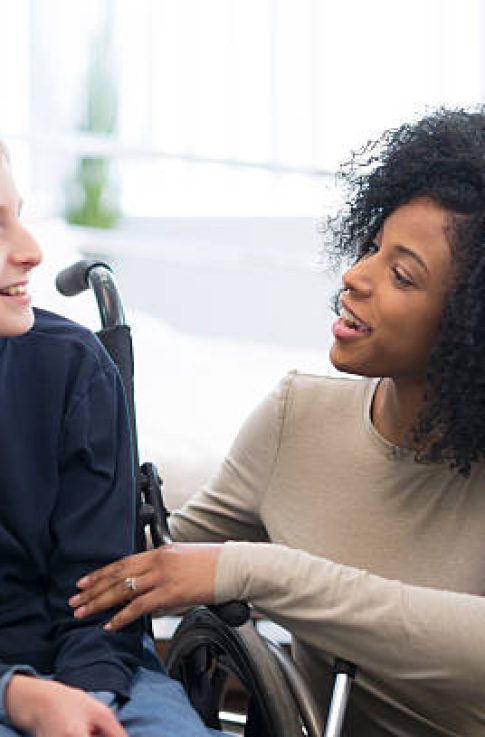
<point>19,253</point>
<point>393,297</point>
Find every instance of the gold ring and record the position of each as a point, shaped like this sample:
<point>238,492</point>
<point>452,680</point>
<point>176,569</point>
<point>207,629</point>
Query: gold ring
<point>130,583</point>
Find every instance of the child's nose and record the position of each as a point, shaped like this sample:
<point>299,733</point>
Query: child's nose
<point>25,249</point>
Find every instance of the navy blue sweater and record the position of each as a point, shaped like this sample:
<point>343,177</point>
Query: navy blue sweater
<point>66,502</point>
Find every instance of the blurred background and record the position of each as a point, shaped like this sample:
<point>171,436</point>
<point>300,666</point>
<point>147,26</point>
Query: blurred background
<point>193,144</point>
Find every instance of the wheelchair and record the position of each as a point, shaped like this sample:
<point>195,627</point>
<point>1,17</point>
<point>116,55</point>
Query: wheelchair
<point>212,644</point>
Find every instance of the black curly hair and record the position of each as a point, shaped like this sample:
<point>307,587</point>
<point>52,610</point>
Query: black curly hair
<point>442,157</point>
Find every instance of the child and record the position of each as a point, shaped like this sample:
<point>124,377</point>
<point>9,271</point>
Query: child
<point>66,506</point>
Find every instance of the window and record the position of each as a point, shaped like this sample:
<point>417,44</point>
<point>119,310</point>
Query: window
<point>232,106</point>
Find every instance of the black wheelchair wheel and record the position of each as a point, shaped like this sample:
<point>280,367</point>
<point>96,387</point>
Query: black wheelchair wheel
<point>205,653</point>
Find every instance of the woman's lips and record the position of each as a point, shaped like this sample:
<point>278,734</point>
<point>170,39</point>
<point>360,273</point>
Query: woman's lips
<point>351,318</point>
<point>349,326</point>
<point>341,331</point>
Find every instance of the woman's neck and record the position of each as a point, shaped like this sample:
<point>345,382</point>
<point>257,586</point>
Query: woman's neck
<point>395,409</point>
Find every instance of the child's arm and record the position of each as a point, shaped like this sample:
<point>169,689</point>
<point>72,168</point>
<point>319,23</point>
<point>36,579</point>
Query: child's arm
<point>93,522</point>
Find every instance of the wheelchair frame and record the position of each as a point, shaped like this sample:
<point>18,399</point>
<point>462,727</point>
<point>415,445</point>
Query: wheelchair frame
<point>211,642</point>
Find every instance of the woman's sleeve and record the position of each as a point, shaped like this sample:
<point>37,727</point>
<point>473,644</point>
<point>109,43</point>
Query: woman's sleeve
<point>228,506</point>
<point>384,626</point>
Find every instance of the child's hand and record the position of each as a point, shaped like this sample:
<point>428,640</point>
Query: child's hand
<point>51,709</point>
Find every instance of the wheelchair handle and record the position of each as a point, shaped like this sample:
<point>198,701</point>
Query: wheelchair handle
<point>98,275</point>
<point>114,335</point>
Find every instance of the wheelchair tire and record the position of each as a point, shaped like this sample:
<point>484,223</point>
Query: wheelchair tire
<point>205,652</point>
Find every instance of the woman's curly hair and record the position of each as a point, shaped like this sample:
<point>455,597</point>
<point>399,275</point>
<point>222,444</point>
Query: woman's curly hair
<point>442,157</point>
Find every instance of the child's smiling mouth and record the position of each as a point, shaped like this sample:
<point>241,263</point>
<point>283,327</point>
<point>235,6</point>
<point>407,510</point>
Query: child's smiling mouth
<point>15,290</point>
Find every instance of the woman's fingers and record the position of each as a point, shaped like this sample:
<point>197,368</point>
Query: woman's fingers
<point>120,591</point>
<point>168,577</point>
<point>138,607</point>
<point>117,571</point>
<point>114,583</point>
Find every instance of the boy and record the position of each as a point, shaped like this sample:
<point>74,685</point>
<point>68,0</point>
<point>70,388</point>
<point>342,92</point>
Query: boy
<point>66,506</point>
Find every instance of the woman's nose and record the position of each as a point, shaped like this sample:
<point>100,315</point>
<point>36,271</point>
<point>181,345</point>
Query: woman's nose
<point>358,278</point>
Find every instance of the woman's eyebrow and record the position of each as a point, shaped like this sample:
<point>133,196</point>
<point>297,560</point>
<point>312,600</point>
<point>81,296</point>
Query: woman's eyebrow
<point>405,251</point>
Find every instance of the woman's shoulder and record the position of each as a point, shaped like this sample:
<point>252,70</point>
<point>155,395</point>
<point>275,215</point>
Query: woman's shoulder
<point>311,399</point>
<point>322,389</point>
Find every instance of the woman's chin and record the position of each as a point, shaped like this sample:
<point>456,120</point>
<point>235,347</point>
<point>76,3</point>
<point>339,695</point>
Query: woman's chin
<point>347,364</point>
<point>338,361</point>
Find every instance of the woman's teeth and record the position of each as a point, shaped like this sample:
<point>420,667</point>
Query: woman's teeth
<point>351,321</point>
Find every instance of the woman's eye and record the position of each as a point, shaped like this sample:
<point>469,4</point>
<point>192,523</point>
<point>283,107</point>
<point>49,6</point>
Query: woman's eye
<point>401,278</point>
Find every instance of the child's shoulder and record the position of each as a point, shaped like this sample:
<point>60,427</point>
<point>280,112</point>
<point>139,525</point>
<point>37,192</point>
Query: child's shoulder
<point>51,324</point>
<point>56,334</point>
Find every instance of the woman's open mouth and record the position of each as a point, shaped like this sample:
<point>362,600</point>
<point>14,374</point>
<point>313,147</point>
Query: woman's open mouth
<point>349,325</point>
<point>352,321</point>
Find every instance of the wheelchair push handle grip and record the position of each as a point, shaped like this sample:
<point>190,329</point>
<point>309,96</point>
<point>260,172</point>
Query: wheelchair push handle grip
<point>98,275</point>
<point>74,279</point>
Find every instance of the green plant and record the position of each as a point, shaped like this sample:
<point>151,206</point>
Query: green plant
<point>91,195</point>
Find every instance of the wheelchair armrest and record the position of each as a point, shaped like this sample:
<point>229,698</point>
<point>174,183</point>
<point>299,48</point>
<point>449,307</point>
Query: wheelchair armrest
<point>233,613</point>
<point>155,514</point>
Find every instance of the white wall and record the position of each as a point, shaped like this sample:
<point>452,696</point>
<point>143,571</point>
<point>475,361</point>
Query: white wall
<point>254,279</point>
<point>220,310</point>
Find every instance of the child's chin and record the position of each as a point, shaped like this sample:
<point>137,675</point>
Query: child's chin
<point>17,326</point>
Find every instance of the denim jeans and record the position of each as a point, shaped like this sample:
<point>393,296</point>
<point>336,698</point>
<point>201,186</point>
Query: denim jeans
<point>157,707</point>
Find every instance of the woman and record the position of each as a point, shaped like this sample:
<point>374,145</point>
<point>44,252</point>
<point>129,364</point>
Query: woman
<point>371,492</point>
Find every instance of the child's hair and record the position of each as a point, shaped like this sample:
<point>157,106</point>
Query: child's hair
<point>442,157</point>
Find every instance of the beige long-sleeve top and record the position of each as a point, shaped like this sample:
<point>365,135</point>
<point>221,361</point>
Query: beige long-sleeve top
<point>375,558</point>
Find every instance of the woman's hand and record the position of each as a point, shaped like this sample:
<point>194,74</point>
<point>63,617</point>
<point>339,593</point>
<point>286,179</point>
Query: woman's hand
<point>176,575</point>
<point>51,709</point>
